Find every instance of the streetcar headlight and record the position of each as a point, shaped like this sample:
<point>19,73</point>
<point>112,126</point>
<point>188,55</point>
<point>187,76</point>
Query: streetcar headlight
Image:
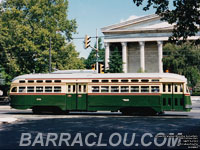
<point>188,106</point>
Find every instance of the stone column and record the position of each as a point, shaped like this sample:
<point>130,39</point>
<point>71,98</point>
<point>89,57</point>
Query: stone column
<point>124,56</point>
<point>107,55</point>
<point>142,58</point>
<point>160,56</point>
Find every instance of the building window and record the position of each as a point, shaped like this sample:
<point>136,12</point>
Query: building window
<point>164,101</point>
<point>22,81</point>
<point>169,102</point>
<point>30,89</point>
<point>134,89</point>
<point>14,89</point>
<point>95,89</point>
<point>144,89</point>
<point>114,89</point>
<point>22,89</point>
<point>57,89</point>
<point>124,89</point>
<point>84,88</point>
<point>176,101</point>
<point>155,89</point>
<point>39,89</point>
<point>79,88</point>
<point>48,89</point>
<point>57,81</point>
<point>39,81</point>
<point>104,89</point>
<point>74,88</point>
<point>175,88</point>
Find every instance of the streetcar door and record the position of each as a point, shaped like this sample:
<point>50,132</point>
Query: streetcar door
<point>81,96</point>
<point>178,96</point>
<point>167,98</point>
<point>71,97</point>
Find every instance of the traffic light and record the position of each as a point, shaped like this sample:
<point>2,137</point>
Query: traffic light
<point>102,68</point>
<point>93,66</point>
<point>87,41</point>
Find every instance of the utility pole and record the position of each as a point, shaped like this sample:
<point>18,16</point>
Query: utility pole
<point>97,64</point>
<point>50,55</point>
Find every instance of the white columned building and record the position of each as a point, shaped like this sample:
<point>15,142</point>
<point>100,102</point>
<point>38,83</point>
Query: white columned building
<point>141,42</point>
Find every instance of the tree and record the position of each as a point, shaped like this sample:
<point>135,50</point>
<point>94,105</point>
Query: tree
<point>92,56</point>
<point>25,31</point>
<point>183,59</point>
<point>185,14</point>
<point>115,64</point>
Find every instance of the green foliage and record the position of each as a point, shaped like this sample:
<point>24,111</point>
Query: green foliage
<point>92,56</point>
<point>25,31</point>
<point>183,59</point>
<point>185,14</point>
<point>115,64</point>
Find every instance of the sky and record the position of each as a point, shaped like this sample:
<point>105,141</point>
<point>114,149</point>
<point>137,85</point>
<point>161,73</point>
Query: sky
<point>96,14</point>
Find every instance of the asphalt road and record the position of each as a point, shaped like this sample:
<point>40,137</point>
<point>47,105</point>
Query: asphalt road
<point>102,130</point>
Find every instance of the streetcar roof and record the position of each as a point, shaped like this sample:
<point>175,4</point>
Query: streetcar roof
<point>93,75</point>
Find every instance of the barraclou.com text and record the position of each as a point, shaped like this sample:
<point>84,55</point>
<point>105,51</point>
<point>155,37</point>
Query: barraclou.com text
<point>93,139</point>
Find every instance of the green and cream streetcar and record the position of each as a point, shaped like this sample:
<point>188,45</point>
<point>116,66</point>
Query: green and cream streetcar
<point>64,91</point>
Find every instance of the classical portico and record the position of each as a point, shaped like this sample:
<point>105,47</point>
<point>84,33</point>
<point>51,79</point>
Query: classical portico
<point>141,42</point>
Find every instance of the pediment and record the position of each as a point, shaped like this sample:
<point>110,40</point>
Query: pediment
<point>150,22</point>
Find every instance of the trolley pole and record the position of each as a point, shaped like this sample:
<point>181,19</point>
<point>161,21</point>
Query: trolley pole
<point>50,55</point>
<point>97,64</point>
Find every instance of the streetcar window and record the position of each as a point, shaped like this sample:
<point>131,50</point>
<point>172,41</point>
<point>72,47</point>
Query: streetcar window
<point>155,89</point>
<point>114,89</point>
<point>114,80</point>
<point>69,88</point>
<point>124,89</point>
<point>144,89</point>
<point>39,81</point>
<point>48,81</point>
<point>134,89</point>
<point>104,81</point>
<point>74,88</point>
<point>22,89</point>
<point>164,101</point>
<point>79,88</point>
<point>169,101</point>
<point>181,101</point>
<point>104,89</point>
<point>176,101</point>
<point>14,89</point>
<point>30,89</point>
<point>57,81</point>
<point>30,81</point>
<point>181,88</point>
<point>169,87</point>
<point>21,81</point>
<point>39,89</point>
<point>135,80</point>
<point>124,80</point>
<point>144,80</point>
<point>95,89</point>
<point>164,88</point>
<point>48,89</point>
<point>175,88</point>
<point>95,81</point>
<point>57,89</point>
<point>155,80</point>
<point>84,88</point>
